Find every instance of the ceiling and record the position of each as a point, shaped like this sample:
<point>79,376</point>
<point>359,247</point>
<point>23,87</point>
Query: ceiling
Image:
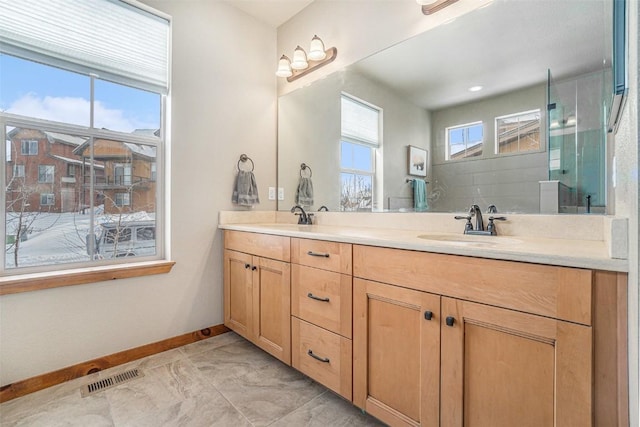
<point>271,12</point>
<point>508,45</point>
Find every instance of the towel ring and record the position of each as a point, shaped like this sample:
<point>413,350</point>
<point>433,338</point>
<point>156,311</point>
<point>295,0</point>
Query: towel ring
<point>304,166</point>
<point>243,159</point>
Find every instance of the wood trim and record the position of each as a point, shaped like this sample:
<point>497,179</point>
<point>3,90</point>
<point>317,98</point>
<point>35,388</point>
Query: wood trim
<point>611,399</point>
<point>263,245</point>
<point>30,385</point>
<point>56,279</point>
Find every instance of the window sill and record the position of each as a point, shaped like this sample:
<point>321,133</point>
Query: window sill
<point>48,280</point>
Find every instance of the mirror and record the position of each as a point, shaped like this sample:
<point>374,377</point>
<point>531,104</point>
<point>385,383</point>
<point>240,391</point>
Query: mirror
<point>531,140</point>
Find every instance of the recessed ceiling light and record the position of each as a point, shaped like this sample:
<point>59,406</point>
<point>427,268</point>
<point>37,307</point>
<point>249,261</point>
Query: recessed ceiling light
<point>475,88</point>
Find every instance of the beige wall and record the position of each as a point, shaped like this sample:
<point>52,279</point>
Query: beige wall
<point>223,104</point>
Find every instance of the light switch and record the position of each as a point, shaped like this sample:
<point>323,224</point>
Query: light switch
<point>272,193</point>
<point>280,193</point>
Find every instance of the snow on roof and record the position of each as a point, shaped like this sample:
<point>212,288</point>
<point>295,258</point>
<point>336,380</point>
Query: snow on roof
<point>76,161</point>
<point>62,137</point>
<point>144,150</point>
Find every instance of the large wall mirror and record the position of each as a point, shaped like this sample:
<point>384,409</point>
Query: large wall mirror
<point>506,105</point>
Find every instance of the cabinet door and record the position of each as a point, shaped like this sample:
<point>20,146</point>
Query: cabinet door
<point>506,368</point>
<point>396,353</point>
<point>272,307</point>
<point>238,293</point>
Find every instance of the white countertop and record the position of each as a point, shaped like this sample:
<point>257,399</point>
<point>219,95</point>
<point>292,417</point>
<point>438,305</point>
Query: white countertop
<point>592,254</point>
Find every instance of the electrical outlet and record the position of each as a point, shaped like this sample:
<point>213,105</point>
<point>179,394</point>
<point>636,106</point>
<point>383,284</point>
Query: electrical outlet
<point>280,193</point>
<point>272,193</point>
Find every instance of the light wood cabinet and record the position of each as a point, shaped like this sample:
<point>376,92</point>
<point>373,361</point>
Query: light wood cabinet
<point>257,293</point>
<point>321,308</point>
<point>396,355</point>
<point>473,364</point>
<point>505,368</point>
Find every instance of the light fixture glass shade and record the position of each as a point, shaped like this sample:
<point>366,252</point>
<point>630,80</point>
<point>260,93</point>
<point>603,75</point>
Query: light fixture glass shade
<point>299,59</point>
<point>284,67</point>
<point>425,2</point>
<point>316,50</point>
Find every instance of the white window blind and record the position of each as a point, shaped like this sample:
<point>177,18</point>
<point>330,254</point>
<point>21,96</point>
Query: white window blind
<point>118,41</point>
<point>360,121</point>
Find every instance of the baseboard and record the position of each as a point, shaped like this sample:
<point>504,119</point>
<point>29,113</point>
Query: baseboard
<point>30,385</point>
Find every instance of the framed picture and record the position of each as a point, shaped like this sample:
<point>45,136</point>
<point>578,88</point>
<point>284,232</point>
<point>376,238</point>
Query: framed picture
<point>417,161</point>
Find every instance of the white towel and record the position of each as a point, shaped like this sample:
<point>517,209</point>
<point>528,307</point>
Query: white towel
<point>304,193</point>
<point>245,189</point>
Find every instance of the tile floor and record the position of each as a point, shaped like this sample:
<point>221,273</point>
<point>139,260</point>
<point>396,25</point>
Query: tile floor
<point>221,381</point>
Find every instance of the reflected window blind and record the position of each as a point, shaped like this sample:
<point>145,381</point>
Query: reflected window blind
<point>360,122</point>
<point>116,40</point>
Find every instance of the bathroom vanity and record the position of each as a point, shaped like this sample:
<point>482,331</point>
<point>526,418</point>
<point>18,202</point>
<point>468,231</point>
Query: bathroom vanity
<point>420,332</point>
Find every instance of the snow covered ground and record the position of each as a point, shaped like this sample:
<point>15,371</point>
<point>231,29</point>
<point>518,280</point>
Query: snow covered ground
<point>58,238</point>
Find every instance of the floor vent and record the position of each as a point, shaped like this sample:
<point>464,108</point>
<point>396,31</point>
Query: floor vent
<point>111,381</point>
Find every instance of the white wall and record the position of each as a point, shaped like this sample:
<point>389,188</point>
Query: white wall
<point>627,197</point>
<point>223,104</point>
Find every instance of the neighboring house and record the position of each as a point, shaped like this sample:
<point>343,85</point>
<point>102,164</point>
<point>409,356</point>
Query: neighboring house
<point>128,183</point>
<point>43,174</point>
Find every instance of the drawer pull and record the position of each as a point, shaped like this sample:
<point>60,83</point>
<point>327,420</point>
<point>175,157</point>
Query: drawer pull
<point>318,254</point>
<point>321,359</point>
<point>247,265</point>
<point>312,296</point>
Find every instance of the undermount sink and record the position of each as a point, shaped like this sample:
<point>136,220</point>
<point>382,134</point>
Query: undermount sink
<point>470,239</point>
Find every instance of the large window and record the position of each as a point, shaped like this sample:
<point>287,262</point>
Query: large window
<point>82,94</point>
<point>518,133</point>
<point>464,141</point>
<point>360,141</point>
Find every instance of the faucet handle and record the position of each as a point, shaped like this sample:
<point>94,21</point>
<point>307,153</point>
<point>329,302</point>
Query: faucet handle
<point>468,226</point>
<point>309,218</point>
<point>492,209</point>
<point>491,227</point>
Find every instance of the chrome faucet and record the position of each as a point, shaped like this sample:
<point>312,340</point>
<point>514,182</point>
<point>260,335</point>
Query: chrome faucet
<point>304,218</point>
<point>475,211</point>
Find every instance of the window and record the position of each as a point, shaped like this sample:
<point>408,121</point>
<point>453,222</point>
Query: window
<point>18,171</point>
<point>464,141</point>
<point>518,133</point>
<point>45,174</point>
<point>122,174</point>
<point>122,199</point>
<point>153,171</point>
<point>359,143</point>
<point>93,100</point>
<point>29,148</point>
<point>47,199</point>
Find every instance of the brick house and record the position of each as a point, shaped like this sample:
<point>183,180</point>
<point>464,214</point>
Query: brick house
<point>42,172</point>
<point>128,183</point>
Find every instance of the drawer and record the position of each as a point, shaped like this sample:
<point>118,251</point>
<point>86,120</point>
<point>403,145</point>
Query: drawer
<point>264,245</point>
<point>558,292</point>
<point>322,355</point>
<point>322,297</point>
<point>331,256</point>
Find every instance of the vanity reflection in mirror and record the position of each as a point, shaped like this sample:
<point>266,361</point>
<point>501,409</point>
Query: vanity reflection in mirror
<point>509,101</point>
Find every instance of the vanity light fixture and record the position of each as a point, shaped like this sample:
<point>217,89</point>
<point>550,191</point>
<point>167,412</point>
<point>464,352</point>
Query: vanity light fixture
<point>432,7</point>
<point>302,63</point>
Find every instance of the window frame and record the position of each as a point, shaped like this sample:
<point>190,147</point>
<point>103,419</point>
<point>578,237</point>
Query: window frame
<point>48,195</point>
<point>375,148</point>
<point>541,147</point>
<point>46,174</point>
<point>122,195</point>
<point>17,167</point>
<point>463,126</point>
<point>29,151</point>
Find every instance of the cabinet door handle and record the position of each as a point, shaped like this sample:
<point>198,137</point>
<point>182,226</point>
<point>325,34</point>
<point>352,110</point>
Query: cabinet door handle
<point>450,320</point>
<point>312,296</point>
<point>318,254</point>
<point>254,268</point>
<point>321,359</point>
<point>428,315</point>
<point>247,265</point>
